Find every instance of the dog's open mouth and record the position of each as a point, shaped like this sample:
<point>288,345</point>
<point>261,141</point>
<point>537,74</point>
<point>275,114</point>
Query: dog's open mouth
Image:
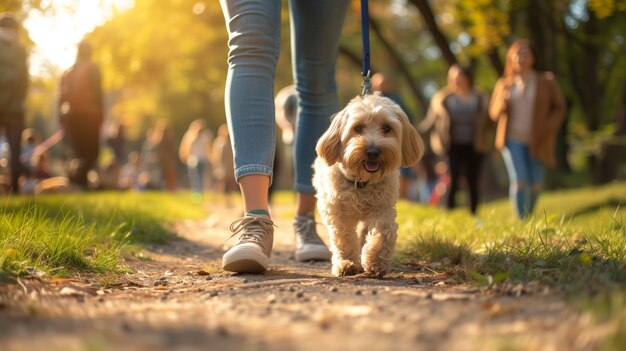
<point>371,166</point>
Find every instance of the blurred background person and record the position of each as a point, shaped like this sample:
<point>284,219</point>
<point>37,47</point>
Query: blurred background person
<point>166,149</point>
<point>130,172</point>
<point>529,108</point>
<point>458,123</point>
<point>13,87</point>
<point>150,177</point>
<point>286,108</point>
<point>82,112</point>
<point>194,152</point>
<point>223,164</point>
<point>30,141</point>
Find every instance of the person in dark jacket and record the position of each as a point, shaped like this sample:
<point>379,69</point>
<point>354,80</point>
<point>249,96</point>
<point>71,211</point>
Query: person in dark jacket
<point>81,111</point>
<point>13,86</point>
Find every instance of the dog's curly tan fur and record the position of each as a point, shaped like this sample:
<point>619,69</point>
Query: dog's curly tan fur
<point>356,179</point>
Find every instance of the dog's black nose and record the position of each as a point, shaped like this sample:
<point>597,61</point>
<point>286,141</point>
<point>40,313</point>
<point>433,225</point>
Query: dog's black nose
<point>372,152</point>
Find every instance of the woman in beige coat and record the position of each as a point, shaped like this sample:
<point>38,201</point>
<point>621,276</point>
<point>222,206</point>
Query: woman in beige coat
<point>458,121</point>
<point>528,107</point>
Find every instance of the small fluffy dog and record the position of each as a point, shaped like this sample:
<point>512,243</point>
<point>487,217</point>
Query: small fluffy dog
<point>356,178</point>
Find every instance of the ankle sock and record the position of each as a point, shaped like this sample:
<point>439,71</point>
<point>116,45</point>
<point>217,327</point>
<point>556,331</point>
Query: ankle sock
<point>259,212</point>
<point>308,215</point>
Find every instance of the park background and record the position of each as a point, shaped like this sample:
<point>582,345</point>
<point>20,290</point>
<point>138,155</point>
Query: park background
<point>167,60</point>
<point>126,251</point>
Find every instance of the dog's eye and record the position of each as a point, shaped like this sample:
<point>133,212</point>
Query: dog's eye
<point>386,128</point>
<point>358,129</point>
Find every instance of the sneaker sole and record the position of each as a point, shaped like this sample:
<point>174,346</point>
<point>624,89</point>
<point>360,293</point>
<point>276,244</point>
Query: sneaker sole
<point>245,261</point>
<point>319,253</point>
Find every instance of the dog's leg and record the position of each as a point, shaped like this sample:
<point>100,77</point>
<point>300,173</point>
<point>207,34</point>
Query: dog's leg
<point>362,231</point>
<point>380,243</point>
<point>345,246</point>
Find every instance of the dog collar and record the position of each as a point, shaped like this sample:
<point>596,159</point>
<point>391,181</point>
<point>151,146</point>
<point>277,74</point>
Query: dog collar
<point>357,184</point>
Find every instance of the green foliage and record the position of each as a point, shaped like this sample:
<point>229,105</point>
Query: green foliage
<point>165,60</point>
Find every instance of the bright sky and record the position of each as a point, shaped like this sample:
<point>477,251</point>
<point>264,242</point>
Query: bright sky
<point>57,33</point>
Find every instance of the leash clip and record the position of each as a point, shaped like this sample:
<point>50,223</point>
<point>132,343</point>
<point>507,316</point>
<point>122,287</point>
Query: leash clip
<point>366,85</point>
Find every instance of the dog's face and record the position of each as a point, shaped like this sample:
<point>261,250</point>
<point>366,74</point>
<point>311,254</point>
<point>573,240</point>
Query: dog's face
<point>371,137</point>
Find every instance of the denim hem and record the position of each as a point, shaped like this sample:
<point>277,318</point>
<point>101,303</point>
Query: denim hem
<point>306,189</point>
<point>253,169</point>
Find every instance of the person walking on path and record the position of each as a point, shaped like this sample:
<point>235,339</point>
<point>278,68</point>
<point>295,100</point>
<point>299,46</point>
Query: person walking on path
<point>254,44</point>
<point>222,165</point>
<point>195,152</point>
<point>82,112</point>
<point>529,108</point>
<point>459,123</point>
<point>13,87</point>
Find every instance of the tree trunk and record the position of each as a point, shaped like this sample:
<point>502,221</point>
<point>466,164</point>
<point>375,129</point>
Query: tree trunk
<point>401,67</point>
<point>610,161</point>
<point>496,62</point>
<point>429,19</point>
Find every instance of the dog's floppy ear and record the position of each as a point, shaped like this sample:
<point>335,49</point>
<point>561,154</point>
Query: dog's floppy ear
<point>329,145</point>
<point>412,145</point>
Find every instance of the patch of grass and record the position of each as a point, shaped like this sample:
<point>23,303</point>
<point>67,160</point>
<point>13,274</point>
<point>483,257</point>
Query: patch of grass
<point>578,242</point>
<point>64,234</point>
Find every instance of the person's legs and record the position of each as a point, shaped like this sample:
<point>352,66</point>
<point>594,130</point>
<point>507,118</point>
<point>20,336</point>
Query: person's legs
<point>315,47</point>
<point>254,43</point>
<point>537,174</point>
<point>13,130</point>
<point>514,155</point>
<point>473,166</point>
<point>454,161</point>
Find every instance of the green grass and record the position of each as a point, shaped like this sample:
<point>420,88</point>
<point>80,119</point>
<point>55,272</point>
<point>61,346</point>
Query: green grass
<point>576,239</point>
<point>70,233</point>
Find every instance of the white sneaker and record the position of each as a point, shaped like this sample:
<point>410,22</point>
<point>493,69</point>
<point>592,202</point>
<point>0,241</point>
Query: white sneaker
<point>309,246</point>
<point>252,252</point>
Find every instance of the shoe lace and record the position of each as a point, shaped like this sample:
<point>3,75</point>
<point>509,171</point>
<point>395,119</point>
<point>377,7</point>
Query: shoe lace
<point>306,229</point>
<point>251,229</point>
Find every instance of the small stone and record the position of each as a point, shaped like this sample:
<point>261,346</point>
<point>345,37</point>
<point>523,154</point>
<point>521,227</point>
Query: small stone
<point>126,327</point>
<point>333,289</point>
<point>358,292</point>
<point>208,277</point>
<point>299,294</point>
<point>292,289</point>
<point>374,292</point>
<point>271,298</point>
<point>222,331</point>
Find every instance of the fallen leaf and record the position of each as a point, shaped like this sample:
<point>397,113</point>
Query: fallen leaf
<point>73,290</point>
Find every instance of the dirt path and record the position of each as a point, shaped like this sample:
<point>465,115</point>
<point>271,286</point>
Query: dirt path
<point>179,299</point>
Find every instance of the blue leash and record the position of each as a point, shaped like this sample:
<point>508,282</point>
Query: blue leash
<point>366,72</point>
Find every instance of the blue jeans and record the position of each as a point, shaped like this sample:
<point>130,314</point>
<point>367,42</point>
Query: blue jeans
<point>254,44</point>
<point>196,177</point>
<point>526,175</point>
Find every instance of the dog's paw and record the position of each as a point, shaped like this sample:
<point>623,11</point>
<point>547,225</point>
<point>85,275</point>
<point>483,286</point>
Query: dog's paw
<point>377,269</point>
<point>346,268</point>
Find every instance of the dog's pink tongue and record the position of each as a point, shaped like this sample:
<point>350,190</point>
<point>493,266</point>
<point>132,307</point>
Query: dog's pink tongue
<point>372,166</point>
